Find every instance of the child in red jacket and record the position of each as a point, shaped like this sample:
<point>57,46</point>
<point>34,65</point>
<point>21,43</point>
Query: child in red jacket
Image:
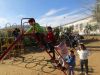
<point>51,41</point>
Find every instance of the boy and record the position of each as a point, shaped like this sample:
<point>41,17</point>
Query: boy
<point>37,30</point>
<point>51,41</point>
<point>71,62</point>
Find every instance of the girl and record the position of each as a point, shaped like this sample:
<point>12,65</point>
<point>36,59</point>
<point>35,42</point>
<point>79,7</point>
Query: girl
<point>83,55</point>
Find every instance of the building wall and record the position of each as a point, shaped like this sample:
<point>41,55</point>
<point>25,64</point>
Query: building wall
<point>79,26</point>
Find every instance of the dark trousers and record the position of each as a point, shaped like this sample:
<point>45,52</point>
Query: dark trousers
<point>40,37</point>
<point>51,47</point>
<point>84,63</point>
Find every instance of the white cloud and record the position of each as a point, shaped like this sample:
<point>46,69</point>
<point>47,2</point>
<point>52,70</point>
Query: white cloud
<point>52,12</point>
<point>63,19</point>
<point>51,17</point>
<point>3,22</point>
<point>12,20</point>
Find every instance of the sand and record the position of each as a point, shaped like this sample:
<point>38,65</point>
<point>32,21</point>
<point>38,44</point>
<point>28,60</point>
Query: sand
<point>38,64</point>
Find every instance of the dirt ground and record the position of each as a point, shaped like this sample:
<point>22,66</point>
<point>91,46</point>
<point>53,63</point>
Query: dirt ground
<point>39,64</point>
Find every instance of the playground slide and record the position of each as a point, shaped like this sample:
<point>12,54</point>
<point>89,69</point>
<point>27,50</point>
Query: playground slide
<point>9,48</point>
<point>61,50</point>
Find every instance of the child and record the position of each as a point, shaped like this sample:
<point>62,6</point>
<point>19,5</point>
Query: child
<point>37,31</point>
<point>51,41</point>
<point>16,32</point>
<point>71,62</point>
<point>83,55</point>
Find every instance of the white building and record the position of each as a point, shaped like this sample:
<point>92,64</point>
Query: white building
<point>79,25</point>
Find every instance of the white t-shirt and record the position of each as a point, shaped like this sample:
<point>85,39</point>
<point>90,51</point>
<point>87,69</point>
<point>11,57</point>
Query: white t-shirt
<point>83,54</point>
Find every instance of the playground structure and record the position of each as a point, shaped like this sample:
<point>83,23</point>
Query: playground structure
<point>14,47</point>
<point>6,39</point>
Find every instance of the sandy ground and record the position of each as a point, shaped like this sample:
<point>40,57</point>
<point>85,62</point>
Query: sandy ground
<point>38,64</point>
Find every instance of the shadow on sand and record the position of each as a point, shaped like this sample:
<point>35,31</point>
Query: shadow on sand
<point>91,70</point>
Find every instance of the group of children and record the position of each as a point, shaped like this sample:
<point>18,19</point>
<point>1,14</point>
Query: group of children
<point>48,41</point>
<point>70,60</point>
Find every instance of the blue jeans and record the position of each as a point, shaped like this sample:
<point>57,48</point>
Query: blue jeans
<point>71,70</point>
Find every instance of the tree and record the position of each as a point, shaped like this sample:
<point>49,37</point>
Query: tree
<point>88,28</point>
<point>95,27</point>
<point>70,29</point>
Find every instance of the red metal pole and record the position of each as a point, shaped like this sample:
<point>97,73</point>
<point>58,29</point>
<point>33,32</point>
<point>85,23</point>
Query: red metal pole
<point>10,48</point>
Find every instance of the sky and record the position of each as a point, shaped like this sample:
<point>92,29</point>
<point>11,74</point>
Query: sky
<point>46,12</point>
